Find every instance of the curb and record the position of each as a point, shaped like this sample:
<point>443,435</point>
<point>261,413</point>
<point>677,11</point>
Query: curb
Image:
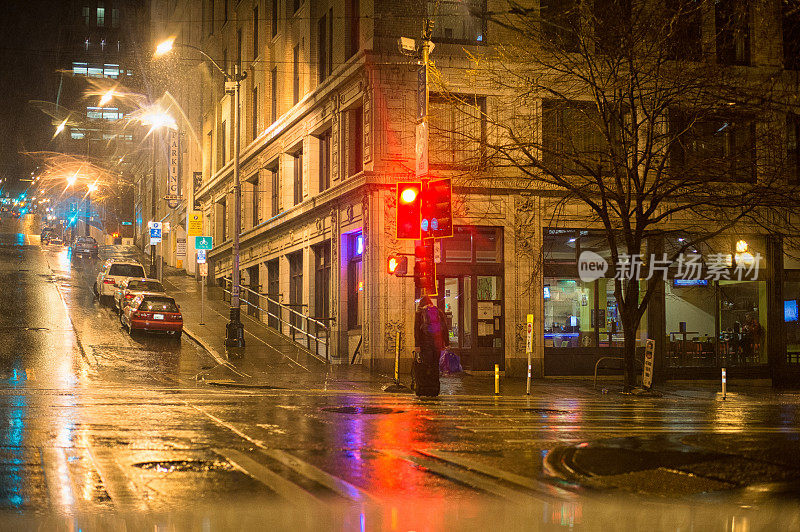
<point>210,350</point>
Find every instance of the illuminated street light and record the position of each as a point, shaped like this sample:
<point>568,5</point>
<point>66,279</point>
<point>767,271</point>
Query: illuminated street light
<point>71,179</point>
<point>60,127</point>
<point>106,97</point>
<point>92,187</point>
<point>164,47</point>
<point>234,331</point>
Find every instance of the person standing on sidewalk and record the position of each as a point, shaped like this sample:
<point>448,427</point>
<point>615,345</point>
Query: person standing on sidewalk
<point>430,337</point>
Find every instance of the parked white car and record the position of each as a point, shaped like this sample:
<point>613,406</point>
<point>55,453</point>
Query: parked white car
<point>127,289</point>
<point>112,273</point>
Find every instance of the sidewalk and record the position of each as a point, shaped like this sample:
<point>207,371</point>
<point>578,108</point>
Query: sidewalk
<point>270,360</point>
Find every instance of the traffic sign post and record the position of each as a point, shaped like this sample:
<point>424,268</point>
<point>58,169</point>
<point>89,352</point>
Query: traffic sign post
<point>649,356</point>
<point>529,349</point>
<point>203,242</point>
<point>155,232</point>
<point>201,256</point>
<point>203,274</point>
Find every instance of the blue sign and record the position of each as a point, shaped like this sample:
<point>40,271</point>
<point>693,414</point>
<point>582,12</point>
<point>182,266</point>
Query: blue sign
<point>203,242</point>
<point>155,232</point>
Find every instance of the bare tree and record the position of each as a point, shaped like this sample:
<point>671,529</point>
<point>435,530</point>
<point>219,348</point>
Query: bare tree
<point>633,112</point>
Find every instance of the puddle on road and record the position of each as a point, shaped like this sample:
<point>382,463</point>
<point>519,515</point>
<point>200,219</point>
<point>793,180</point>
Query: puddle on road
<point>367,410</point>
<point>194,466</point>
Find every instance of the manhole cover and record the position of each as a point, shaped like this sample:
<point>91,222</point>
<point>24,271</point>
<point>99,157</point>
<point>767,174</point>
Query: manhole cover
<point>196,466</point>
<point>361,410</point>
<point>546,411</point>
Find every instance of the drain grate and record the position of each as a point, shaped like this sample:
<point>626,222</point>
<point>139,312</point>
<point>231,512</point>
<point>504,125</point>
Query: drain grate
<point>193,466</point>
<point>546,411</point>
<point>361,410</point>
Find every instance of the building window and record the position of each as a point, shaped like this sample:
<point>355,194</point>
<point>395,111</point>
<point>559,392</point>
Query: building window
<point>793,148</point>
<point>296,74</point>
<point>322,280</point>
<point>86,15</point>
<point>274,17</point>
<point>224,218</point>
<point>611,18</point>
<point>572,140</point>
<point>733,31</point>
<point>352,27</point>
<point>457,130</point>
<point>238,51</point>
<point>355,140</point>
<point>101,15</point>
<point>325,47</point>
<point>222,151</point>
<point>255,113</point>
<point>115,18</point>
<point>560,24</point>
<point>208,149</point>
<point>255,33</point>
<point>460,21</point>
<point>715,148</point>
<point>296,289</point>
<point>273,293</point>
<point>256,213</point>
<point>273,110</point>
<point>275,190</point>
<point>298,176</point>
<point>790,23</point>
<point>106,113</point>
<point>355,280</point>
<point>325,161</point>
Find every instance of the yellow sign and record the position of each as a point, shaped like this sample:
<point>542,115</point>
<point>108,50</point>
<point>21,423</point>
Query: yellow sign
<point>195,224</point>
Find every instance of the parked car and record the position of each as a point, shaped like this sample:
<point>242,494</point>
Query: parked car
<point>112,273</point>
<point>128,289</point>
<point>46,235</point>
<point>152,313</point>
<point>85,245</point>
<point>55,241</point>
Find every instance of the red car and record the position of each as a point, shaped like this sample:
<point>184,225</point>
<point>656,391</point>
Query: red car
<point>153,313</point>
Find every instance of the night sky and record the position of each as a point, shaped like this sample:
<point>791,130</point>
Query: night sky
<point>29,34</point>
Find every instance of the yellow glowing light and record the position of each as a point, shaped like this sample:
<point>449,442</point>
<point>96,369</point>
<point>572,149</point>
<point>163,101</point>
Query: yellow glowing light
<point>408,195</point>
<point>392,265</point>
<point>61,127</point>
<point>92,187</point>
<point>164,47</point>
<point>71,180</point>
<point>159,119</point>
<point>741,246</point>
<point>106,97</point>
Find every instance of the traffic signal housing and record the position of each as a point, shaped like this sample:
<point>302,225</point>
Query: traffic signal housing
<point>397,265</point>
<point>409,209</point>
<point>437,209</point>
<point>424,267</point>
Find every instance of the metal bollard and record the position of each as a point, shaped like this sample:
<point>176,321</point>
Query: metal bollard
<point>724,384</point>
<point>497,379</point>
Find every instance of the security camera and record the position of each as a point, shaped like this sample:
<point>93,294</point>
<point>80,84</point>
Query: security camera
<point>407,45</point>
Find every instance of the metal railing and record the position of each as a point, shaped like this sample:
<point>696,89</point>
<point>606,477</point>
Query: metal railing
<point>303,329</point>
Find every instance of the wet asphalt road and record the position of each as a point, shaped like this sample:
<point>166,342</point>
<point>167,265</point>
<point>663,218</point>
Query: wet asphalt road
<point>96,427</point>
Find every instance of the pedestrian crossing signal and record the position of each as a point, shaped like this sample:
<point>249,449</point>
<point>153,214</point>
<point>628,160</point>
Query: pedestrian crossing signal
<point>397,265</point>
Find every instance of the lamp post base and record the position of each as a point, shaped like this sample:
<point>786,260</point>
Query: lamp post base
<point>234,330</point>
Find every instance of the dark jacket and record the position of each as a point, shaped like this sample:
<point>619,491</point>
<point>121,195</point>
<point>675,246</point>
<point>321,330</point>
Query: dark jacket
<point>430,329</point>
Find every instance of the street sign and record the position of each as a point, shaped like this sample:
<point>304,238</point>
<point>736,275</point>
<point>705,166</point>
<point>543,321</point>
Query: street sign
<point>195,224</point>
<point>180,247</point>
<point>155,232</point>
<point>201,256</point>
<point>172,175</point>
<point>203,269</point>
<point>649,355</point>
<point>422,149</point>
<point>203,242</point>
<point>529,334</point>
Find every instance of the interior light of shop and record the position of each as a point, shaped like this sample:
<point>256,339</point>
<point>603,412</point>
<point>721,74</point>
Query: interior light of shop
<point>741,246</point>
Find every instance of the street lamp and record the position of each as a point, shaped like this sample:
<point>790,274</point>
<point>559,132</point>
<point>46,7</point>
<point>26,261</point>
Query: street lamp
<point>234,331</point>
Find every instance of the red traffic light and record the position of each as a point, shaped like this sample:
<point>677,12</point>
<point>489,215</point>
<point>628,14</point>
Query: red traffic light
<point>437,210</point>
<point>409,209</point>
<point>397,265</point>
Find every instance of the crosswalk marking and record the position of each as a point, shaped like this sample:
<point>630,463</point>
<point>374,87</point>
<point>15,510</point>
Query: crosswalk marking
<point>118,485</point>
<point>282,487</point>
<point>333,483</point>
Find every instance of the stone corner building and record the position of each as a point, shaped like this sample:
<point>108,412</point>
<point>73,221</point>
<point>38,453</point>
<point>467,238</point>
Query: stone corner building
<point>327,130</point>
